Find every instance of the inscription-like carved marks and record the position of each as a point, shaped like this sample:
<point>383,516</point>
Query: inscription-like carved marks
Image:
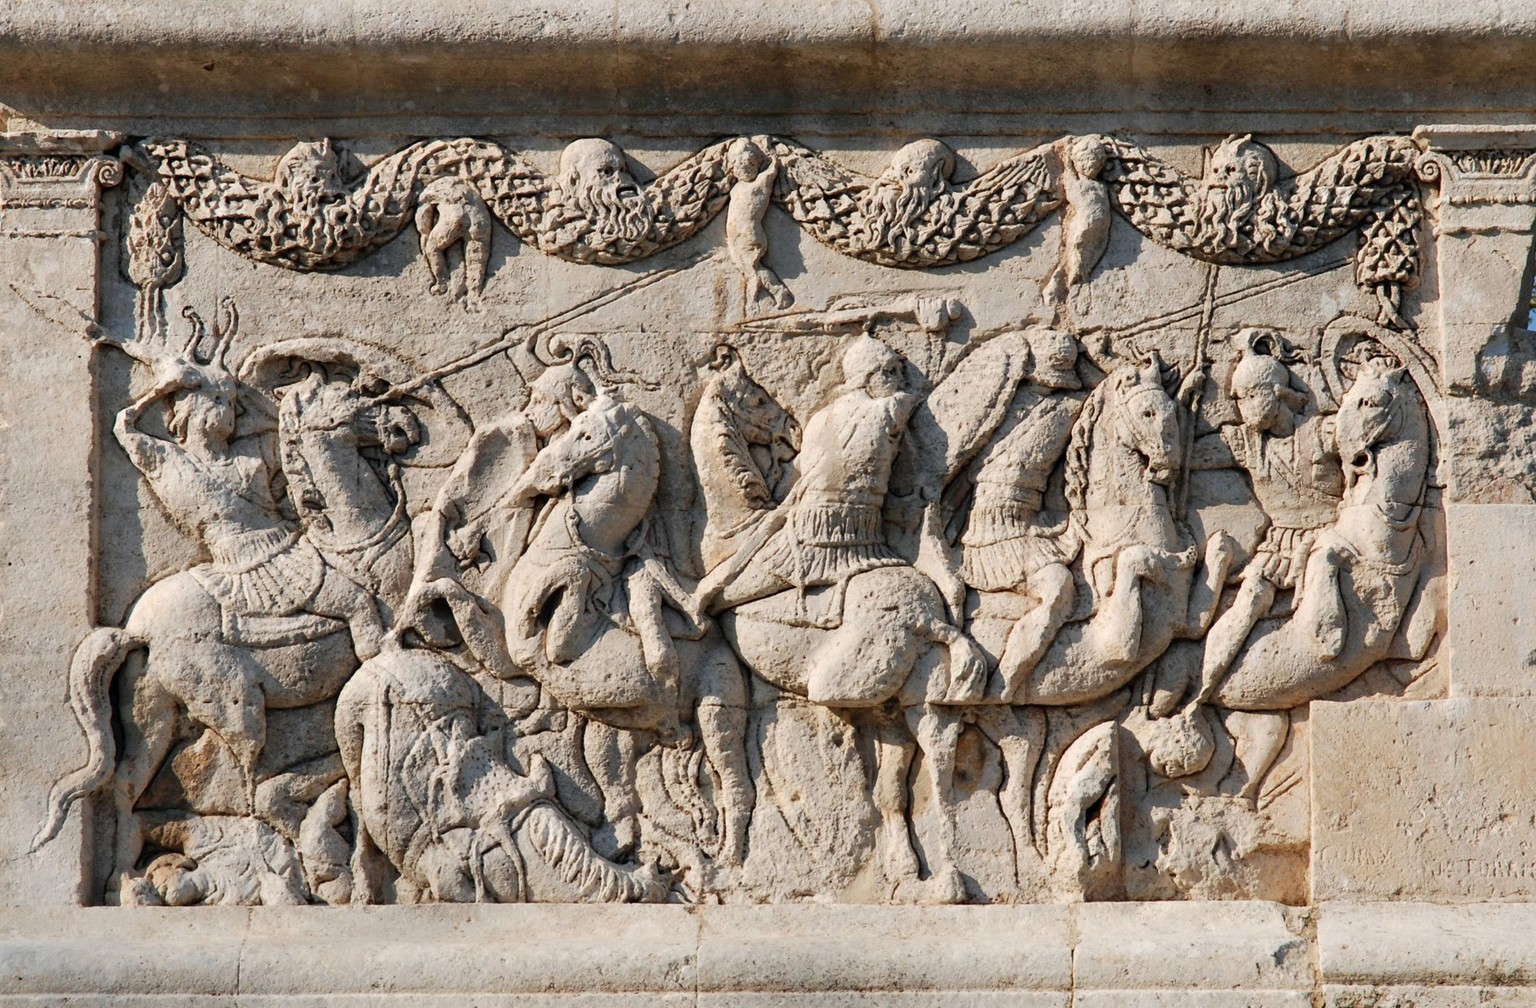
<point>1241,211</point>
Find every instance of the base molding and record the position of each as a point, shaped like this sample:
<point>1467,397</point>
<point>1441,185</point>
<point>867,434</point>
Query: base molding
<point>1205,955</point>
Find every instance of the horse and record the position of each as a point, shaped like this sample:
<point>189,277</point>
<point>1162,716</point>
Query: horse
<point>753,438</point>
<point>184,651</point>
<point>1361,572</point>
<point>437,798</point>
<point>885,655</point>
<point>1138,561</point>
<point>592,614</point>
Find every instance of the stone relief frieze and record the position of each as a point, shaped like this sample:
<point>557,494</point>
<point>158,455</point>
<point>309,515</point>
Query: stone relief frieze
<point>832,570</point>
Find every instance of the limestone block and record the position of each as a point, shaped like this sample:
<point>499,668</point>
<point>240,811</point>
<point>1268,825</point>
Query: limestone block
<point>1423,800</point>
<point>1492,634</point>
<point>757,952</point>
<point>1373,954</point>
<point>49,230</point>
<point>1201,954</point>
<point>63,952</point>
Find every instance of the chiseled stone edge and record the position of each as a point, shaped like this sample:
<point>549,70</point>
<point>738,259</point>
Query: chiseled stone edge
<point>745,22</point>
<point>657,56</point>
<point>1199,954</point>
<point>729,954</point>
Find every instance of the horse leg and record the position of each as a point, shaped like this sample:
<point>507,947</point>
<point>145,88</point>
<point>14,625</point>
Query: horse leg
<point>1020,735</point>
<point>1259,736</point>
<point>220,687</point>
<point>342,598</point>
<point>1320,611</point>
<point>1255,596</point>
<point>1205,592</point>
<point>937,732</point>
<point>611,755</point>
<point>893,760</point>
<point>149,730</point>
<point>1034,632</point>
<point>357,704</point>
<point>1115,634</point>
<point>721,717</point>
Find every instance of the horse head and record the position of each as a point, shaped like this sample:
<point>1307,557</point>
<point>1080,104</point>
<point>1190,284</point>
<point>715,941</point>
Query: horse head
<point>743,443</point>
<point>337,409</point>
<point>599,440</point>
<point>744,407</point>
<point>1145,418</point>
<point>1382,411</point>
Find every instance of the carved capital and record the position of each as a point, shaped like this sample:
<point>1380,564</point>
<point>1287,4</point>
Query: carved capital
<point>52,171</point>
<point>1486,177</point>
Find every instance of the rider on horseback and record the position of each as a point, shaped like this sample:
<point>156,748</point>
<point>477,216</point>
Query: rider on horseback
<point>1293,466</point>
<point>220,494</point>
<point>831,526</point>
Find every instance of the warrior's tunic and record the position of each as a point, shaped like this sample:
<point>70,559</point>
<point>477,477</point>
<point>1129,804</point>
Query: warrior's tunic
<point>1005,539</point>
<point>1298,485</point>
<point>835,528</point>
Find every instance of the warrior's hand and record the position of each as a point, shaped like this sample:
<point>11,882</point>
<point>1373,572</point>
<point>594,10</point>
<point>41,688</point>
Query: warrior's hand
<point>1191,388</point>
<point>173,374</point>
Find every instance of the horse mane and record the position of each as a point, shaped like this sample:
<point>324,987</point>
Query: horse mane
<point>1081,446</point>
<point>732,452</point>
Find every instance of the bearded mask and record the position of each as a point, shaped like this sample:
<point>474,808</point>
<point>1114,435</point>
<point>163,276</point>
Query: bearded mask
<point>917,175</point>
<point>596,188</point>
<point>1238,207</point>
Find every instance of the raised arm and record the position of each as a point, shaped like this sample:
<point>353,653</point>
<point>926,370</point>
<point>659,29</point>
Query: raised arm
<point>146,451</point>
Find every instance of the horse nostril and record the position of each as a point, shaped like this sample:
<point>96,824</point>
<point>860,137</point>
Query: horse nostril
<point>1360,460</point>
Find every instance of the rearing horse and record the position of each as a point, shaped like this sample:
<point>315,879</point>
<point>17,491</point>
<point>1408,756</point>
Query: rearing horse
<point>224,644</point>
<point>1137,559</point>
<point>593,615</point>
<point>1362,571</point>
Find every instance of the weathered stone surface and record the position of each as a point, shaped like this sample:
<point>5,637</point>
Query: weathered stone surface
<point>800,464</point>
<point>1373,954</point>
<point>1444,810</point>
<point>1492,638</point>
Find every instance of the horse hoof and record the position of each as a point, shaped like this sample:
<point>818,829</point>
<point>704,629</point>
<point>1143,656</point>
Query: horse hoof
<point>945,887</point>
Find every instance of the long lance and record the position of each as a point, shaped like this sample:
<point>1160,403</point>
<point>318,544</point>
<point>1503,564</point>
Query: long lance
<point>1197,310</point>
<point>1202,341</point>
<point>518,335</point>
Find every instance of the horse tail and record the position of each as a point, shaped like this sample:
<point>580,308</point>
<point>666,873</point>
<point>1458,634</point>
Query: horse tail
<point>96,661</point>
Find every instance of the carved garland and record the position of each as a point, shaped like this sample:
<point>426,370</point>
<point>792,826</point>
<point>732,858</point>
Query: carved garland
<point>912,217</point>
